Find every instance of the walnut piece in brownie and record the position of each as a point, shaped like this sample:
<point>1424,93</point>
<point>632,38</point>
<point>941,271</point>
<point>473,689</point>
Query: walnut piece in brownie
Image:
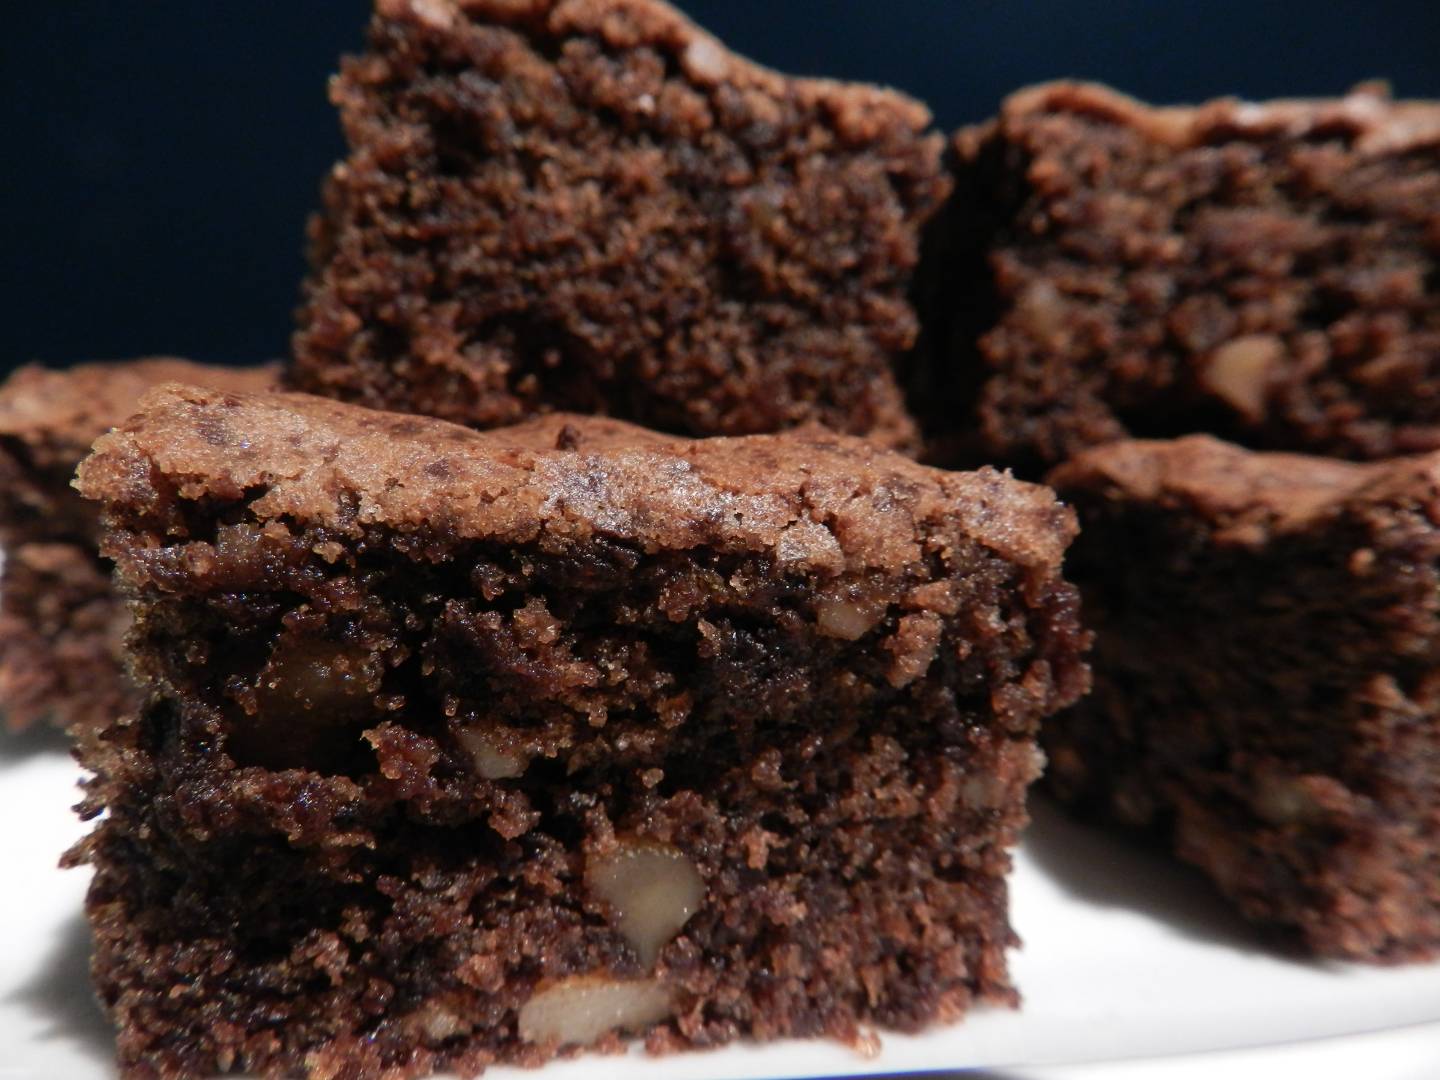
<point>1262,272</point>
<point>1267,679</point>
<point>469,746</point>
<point>60,627</point>
<point>592,205</point>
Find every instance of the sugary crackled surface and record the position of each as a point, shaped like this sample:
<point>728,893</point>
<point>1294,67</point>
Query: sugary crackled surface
<point>813,499</point>
<point>1109,269</point>
<point>1233,487</point>
<point>593,205</point>
<point>50,417</point>
<point>57,413</point>
<point>1376,124</point>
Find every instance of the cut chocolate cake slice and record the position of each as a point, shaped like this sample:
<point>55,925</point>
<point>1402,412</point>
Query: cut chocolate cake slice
<point>593,205</point>
<point>1269,273</point>
<point>465,746</point>
<point>1267,679</point>
<point>60,626</point>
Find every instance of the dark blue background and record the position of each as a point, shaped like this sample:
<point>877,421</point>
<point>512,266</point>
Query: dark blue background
<point>158,157</point>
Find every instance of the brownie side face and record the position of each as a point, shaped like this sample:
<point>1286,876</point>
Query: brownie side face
<point>458,741</point>
<point>592,205</point>
<point>1266,273</point>
<point>1267,680</point>
<point>60,627</point>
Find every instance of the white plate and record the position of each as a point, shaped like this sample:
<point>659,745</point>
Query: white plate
<point>1126,956</point>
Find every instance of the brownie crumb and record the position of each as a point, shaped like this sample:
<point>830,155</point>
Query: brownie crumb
<point>441,766</point>
<point>593,205</point>
<point>1262,272</point>
<point>1266,669</point>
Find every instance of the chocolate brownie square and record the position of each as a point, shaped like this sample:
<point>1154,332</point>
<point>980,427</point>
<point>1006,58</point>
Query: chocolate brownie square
<point>1267,679</point>
<point>60,627</point>
<point>465,747</point>
<point>1262,272</point>
<point>592,205</point>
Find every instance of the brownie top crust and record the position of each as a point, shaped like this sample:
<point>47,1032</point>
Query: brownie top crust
<point>1367,117</point>
<point>860,112</point>
<point>812,500</point>
<point>49,419</point>
<point>1241,489</point>
<point>57,414</point>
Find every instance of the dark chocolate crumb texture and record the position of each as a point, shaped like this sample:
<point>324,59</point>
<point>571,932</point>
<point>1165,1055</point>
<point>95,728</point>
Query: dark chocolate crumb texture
<point>60,626</point>
<point>465,747</point>
<point>592,205</point>
<point>1268,272</point>
<point>1267,680</point>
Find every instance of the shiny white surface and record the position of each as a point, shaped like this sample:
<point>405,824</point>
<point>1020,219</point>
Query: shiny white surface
<point>1126,957</point>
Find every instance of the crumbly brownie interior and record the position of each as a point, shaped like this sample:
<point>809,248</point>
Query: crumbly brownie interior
<point>1267,680</point>
<point>1266,273</point>
<point>61,629</point>
<point>593,205</point>
<point>60,625</point>
<point>419,691</point>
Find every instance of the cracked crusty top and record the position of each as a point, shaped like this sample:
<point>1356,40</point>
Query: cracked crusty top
<point>57,414</point>
<point>1367,116</point>
<point>811,499</point>
<point>1252,493</point>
